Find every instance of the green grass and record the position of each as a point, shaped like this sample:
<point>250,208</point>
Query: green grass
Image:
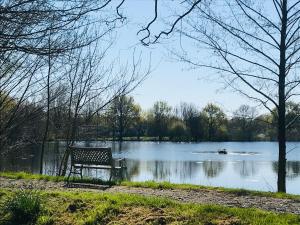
<point>168,185</point>
<point>79,208</point>
<point>30,176</point>
<point>148,184</point>
<point>23,207</point>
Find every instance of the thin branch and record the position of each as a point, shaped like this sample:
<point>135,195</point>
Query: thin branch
<point>168,32</point>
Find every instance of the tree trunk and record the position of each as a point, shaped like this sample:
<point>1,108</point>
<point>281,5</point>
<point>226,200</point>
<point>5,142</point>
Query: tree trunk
<point>281,182</point>
<point>121,118</point>
<point>120,125</point>
<point>121,129</point>
<point>48,110</point>
<point>65,159</point>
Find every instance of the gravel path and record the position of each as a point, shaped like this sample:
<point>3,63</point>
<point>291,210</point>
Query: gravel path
<point>191,196</point>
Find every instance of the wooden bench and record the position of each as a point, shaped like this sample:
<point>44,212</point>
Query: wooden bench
<point>93,158</point>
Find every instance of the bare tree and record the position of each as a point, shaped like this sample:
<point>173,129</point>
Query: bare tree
<point>16,80</point>
<point>48,103</point>
<point>24,46</point>
<point>254,46</point>
<point>25,24</point>
<point>90,79</point>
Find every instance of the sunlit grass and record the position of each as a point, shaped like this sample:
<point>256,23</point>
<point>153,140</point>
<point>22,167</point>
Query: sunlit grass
<point>236,191</point>
<point>147,184</point>
<point>74,207</point>
<point>30,176</point>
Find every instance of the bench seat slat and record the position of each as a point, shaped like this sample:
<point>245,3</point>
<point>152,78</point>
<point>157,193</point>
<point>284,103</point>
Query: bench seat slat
<point>96,166</point>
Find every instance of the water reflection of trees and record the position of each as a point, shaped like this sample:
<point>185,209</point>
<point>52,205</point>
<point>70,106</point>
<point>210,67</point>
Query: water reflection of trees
<point>133,168</point>
<point>119,146</point>
<point>52,157</point>
<point>24,159</point>
<point>246,168</point>
<point>213,168</point>
<point>162,170</point>
<point>292,169</point>
<point>167,170</point>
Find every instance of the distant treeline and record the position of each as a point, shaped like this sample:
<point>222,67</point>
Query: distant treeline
<point>123,119</point>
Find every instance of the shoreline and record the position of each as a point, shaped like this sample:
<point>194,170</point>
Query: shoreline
<point>162,141</point>
<point>148,184</point>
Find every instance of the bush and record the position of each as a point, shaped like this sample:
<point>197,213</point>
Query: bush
<point>24,207</point>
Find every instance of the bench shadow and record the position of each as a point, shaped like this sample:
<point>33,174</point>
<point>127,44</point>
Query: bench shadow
<point>88,186</point>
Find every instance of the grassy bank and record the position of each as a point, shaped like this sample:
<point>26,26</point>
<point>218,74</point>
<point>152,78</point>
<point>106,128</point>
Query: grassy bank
<point>148,184</point>
<point>70,207</point>
<point>237,191</point>
<point>30,176</point>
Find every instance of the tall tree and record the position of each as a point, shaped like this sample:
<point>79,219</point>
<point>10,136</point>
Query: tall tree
<point>243,122</point>
<point>216,122</point>
<point>159,116</point>
<point>193,120</point>
<point>256,44</point>
<point>123,114</point>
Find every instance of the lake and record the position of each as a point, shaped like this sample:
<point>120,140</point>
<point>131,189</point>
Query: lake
<point>249,165</point>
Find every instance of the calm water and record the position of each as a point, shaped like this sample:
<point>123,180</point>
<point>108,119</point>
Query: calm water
<point>250,165</point>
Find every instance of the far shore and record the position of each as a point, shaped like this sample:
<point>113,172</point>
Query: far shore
<point>165,139</point>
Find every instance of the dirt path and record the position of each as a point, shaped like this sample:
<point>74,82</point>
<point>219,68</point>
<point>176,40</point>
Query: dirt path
<point>191,196</point>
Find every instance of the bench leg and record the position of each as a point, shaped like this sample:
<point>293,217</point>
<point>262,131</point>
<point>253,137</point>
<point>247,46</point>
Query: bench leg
<point>68,179</point>
<point>81,172</point>
<point>111,174</point>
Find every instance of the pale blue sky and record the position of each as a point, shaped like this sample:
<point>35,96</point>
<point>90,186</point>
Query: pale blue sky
<point>171,80</point>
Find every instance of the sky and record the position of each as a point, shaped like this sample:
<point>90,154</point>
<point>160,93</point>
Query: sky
<point>170,81</point>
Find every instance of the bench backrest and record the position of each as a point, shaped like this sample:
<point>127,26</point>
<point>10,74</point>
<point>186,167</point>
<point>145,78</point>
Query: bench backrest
<point>91,155</point>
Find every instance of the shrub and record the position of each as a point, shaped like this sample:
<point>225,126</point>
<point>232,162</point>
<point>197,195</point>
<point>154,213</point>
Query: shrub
<point>24,207</point>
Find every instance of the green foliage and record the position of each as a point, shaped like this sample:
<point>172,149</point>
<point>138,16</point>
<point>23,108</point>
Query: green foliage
<point>216,122</point>
<point>178,131</point>
<point>24,207</point>
<point>125,120</point>
<point>189,123</point>
<point>194,121</point>
<point>159,119</point>
<point>123,116</point>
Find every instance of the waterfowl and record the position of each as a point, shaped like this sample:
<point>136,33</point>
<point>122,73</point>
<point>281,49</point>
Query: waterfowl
<point>222,151</point>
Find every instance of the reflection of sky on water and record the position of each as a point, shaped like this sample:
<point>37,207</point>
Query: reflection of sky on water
<point>247,165</point>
